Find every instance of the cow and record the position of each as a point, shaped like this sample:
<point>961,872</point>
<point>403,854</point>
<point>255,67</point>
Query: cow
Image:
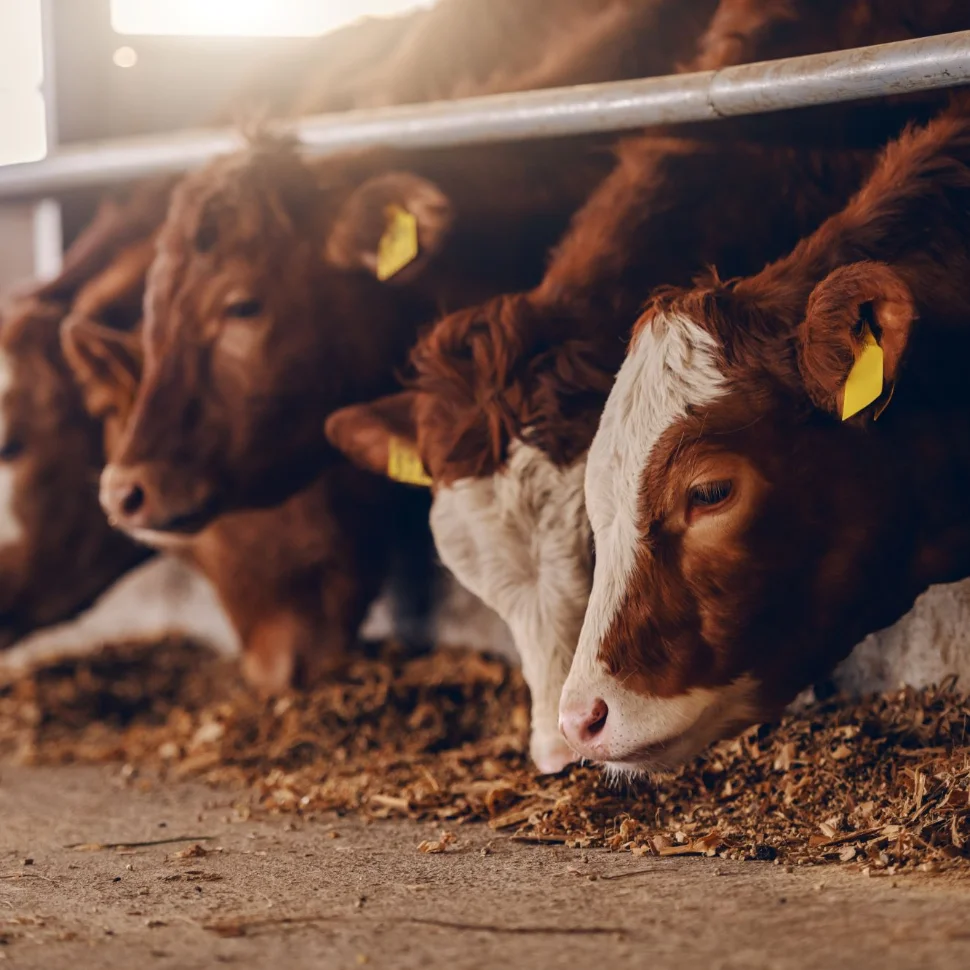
<point>295,581</point>
<point>781,466</point>
<point>506,397</point>
<point>56,551</point>
<point>49,448</point>
<point>261,566</point>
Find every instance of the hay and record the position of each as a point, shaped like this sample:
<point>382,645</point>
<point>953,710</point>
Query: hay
<point>882,785</point>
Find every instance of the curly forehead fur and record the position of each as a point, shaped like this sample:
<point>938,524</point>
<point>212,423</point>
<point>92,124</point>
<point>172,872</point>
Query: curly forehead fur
<point>499,372</point>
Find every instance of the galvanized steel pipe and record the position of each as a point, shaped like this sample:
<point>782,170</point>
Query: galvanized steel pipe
<point>866,72</point>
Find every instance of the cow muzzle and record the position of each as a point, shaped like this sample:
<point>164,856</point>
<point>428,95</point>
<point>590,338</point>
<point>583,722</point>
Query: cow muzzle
<point>149,498</point>
<point>631,732</point>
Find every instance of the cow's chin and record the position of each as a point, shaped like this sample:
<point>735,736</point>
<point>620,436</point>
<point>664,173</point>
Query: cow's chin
<point>161,539</point>
<point>731,709</point>
<point>173,531</point>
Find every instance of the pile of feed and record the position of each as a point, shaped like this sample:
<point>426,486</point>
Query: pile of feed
<point>882,784</point>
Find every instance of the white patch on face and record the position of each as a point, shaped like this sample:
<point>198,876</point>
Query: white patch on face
<point>671,367</point>
<point>519,540</point>
<point>11,528</point>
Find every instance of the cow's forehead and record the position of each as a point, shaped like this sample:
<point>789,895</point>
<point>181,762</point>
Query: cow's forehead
<point>673,367</point>
<point>237,193</point>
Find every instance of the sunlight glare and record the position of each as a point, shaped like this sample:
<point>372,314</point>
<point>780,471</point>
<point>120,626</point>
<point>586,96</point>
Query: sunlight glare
<point>248,18</point>
<point>23,131</point>
<point>23,121</point>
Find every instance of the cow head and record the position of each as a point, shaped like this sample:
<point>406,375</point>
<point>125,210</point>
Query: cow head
<point>263,312</point>
<point>746,536</point>
<point>57,552</point>
<point>502,408</point>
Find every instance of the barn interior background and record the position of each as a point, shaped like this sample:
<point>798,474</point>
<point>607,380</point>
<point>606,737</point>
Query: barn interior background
<point>870,780</point>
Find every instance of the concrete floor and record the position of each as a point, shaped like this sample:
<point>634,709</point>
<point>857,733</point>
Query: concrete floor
<point>343,893</point>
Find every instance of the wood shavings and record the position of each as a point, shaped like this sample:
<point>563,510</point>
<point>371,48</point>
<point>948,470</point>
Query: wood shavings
<point>194,851</point>
<point>436,846</point>
<point>880,785</point>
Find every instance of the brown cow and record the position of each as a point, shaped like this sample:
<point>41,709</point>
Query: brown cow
<point>508,395</point>
<point>56,551</point>
<point>760,499</point>
<point>264,310</point>
<point>296,580</point>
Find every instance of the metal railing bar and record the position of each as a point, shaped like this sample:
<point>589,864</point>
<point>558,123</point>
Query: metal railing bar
<point>867,72</point>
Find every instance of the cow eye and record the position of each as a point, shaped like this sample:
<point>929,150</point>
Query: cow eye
<point>244,309</point>
<point>708,495</point>
<point>11,449</point>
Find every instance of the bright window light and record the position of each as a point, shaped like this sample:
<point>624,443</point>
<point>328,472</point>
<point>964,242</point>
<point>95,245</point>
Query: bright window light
<point>23,127</point>
<point>248,18</point>
<point>23,122</point>
<point>21,48</point>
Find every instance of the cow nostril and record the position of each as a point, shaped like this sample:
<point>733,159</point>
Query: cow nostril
<point>597,719</point>
<point>134,499</point>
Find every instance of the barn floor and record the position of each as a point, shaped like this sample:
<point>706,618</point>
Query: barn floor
<point>338,892</point>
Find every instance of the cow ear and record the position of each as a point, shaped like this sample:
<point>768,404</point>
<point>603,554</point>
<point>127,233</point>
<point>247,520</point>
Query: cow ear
<point>106,364</point>
<point>381,437</point>
<point>853,338</point>
<point>391,226</point>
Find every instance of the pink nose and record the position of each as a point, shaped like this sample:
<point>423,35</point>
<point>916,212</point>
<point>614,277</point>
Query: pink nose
<point>582,723</point>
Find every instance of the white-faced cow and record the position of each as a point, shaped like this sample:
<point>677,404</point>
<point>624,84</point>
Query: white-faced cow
<point>782,466</point>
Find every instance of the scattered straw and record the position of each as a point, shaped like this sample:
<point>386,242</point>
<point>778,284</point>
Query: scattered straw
<point>882,784</point>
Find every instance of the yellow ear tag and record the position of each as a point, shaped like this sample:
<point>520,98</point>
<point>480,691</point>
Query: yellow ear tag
<point>864,384</point>
<point>399,245</point>
<point>404,463</point>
